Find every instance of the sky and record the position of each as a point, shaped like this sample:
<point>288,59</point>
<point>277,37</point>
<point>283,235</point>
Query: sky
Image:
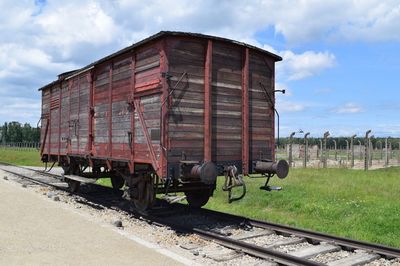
<point>340,68</point>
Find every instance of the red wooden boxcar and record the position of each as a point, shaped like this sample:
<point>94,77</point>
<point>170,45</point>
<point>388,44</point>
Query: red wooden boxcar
<point>166,114</point>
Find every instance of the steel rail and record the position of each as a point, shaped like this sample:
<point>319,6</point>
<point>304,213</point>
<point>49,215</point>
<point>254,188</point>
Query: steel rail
<point>59,177</point>
<point>30,179</point>
<point>241,246</point>
<point>386,251</point>
<point>237,245</point>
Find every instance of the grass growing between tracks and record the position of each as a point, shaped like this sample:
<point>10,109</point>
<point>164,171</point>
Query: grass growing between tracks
<point>29,157</point>
<point>349,203</point>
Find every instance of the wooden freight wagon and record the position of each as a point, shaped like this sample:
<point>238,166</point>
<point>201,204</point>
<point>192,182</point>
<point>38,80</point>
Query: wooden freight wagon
<point>166,114</point>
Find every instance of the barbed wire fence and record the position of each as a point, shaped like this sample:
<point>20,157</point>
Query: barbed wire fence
<point>19,146</point>
<point>356,154</point>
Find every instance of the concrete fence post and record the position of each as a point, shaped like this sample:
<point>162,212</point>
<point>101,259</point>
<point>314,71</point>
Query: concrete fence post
<point>366,148</point>
<point>352,150</point>
<point>398,154</point>
<point>335,147</point>
<point>324,153</point>
<point>371,151</point>
<point>319,153</point>
<point>347,150</point>
<point>305,149</point>
<point>386,152</point>
<point>290,149</point>
<point>380,148</point>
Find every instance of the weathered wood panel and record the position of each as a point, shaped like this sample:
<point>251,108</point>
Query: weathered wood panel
<point>226,102</point>
<point>120,110</point>
<point>45,120</point>
<point>64,127</point>
<point>150,108</point>
<point>84,108</point>
<point>147,70</point>
<point>261,113</point>
<point>54,119</point>
<point>186,107</point>
<point>101,110</point>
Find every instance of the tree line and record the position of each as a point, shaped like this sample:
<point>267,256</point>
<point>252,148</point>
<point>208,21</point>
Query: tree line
<point>17,132</point>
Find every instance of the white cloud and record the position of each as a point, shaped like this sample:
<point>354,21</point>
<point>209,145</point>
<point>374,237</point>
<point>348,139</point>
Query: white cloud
<point>64,26</point>
<point>304,21</point>
<point>40,41</point>
<point>20,109</point>
<point>348,108</point>
<point>300,66</point>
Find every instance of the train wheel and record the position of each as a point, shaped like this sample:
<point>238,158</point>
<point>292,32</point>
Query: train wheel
<point>73,185</point>
<point>198,198</point>
<point>147,190</point>
<point>117,182</point>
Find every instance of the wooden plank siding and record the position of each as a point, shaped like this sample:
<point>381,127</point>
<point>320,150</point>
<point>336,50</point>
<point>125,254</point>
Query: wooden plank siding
<point>74,114</point>
<point>64,127</point>
<point>121,116</point>
<point>261,139</point>
<point>226,102</point>
<point>54,119</point>
<point>45,118</point>
<point>83,117</point>
<point>101,109</point>
<point>186,105</point>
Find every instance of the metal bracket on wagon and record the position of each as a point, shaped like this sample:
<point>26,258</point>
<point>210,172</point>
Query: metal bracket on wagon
<point>269,169</point>
<point>232,180</point>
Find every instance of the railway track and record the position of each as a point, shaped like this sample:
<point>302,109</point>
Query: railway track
<point>274,243</point>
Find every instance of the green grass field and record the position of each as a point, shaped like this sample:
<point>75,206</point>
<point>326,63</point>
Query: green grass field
<point>350,203</point>
<point>29,157</point>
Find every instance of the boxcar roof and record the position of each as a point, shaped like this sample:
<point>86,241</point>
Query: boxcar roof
<point>154,37</point>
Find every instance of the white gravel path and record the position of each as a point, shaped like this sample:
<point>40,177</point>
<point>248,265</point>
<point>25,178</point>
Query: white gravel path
<point>36,230</point>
